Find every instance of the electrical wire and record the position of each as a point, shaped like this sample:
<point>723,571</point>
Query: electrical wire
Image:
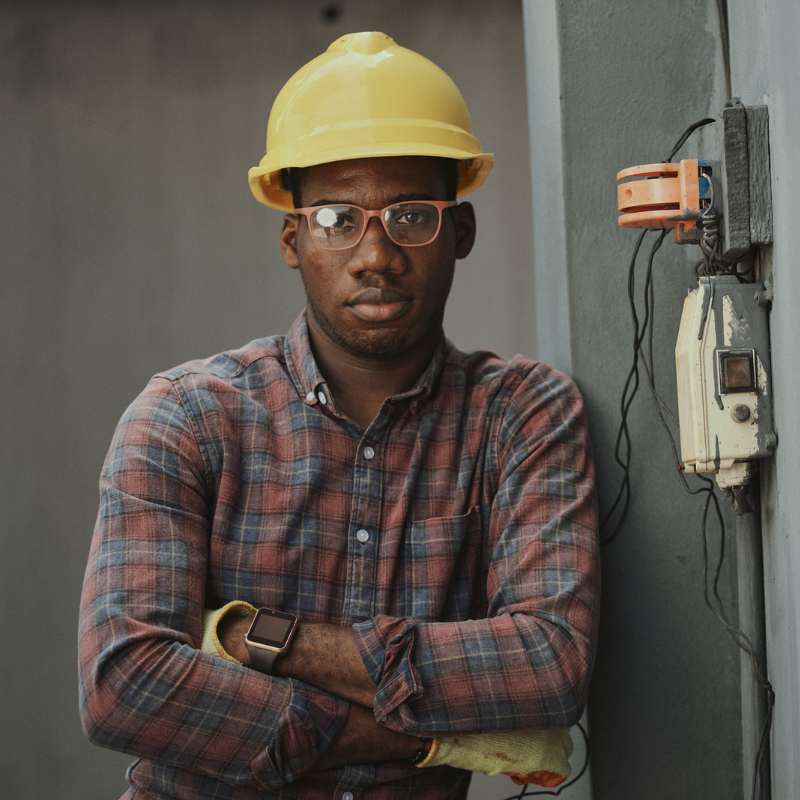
<point>714,257</point>
<point>685,136</point>
<point>740,638</point>
<point>561,787</point>
<point>622,445</point>
<point>712,263</point>
<point>631,386</point>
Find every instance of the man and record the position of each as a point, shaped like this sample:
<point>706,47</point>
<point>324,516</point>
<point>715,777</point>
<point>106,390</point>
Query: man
<point>425,515</point>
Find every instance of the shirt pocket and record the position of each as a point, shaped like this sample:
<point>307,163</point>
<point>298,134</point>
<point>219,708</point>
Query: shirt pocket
<point>445,580</point>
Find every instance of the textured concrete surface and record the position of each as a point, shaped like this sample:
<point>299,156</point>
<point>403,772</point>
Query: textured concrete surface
<point>765,63</point>
<point>665,703</point>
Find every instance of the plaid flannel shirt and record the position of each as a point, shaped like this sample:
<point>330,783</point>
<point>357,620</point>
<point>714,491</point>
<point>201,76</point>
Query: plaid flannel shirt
<point>456,535</point>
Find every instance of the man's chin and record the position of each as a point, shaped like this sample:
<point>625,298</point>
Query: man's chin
<point>375,345</point>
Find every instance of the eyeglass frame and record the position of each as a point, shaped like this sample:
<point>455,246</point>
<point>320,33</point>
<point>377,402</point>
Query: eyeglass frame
<point>440,205</point>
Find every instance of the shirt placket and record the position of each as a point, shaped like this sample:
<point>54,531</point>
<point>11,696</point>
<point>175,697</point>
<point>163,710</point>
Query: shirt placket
<point>364,525</point>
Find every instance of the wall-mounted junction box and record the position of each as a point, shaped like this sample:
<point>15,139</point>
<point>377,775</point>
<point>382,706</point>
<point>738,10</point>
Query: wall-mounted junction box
<point>724,395</point>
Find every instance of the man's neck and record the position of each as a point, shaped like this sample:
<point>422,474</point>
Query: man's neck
<point>361,385</point>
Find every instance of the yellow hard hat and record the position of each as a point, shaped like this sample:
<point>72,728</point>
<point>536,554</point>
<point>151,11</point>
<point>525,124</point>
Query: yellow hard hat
<point>365,97</point>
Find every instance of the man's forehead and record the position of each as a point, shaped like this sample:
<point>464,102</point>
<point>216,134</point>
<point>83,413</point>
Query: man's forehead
<point>383,176</point>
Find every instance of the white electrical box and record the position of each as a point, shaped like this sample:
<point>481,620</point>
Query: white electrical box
<point>724,394</point>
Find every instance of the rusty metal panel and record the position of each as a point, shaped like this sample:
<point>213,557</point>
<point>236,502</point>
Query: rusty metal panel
<point>760,186</point>
<point>735,183</point>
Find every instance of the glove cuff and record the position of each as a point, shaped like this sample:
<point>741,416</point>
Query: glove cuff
<point>211,619</point>
<point>431,754</point>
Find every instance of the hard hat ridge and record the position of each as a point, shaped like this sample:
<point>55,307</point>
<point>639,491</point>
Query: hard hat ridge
<point>366,97</point>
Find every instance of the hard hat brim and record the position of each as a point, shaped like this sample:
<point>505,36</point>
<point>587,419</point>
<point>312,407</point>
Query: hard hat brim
<point>267,186</point>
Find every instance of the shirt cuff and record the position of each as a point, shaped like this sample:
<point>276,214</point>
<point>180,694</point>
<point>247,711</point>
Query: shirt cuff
<point>306,728</point>
<point>386,646</point>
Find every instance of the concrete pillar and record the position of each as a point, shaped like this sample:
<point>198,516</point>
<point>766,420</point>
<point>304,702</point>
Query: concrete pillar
<point>765,63</point>
<point>612,84</point>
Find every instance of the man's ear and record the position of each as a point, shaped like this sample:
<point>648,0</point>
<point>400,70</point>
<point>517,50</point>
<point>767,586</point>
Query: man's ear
<point>464,220</point>
<point>289,240</point>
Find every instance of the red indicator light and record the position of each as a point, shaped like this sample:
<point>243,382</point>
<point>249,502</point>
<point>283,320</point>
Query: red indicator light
<point>737,372</point>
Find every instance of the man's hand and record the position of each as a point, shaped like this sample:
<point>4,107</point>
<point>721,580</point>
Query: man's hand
<point>363,741</point>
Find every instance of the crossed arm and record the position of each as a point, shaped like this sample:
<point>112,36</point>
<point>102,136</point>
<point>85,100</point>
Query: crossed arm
<point>327,656</point>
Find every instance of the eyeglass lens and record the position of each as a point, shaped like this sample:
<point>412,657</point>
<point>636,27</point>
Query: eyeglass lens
<point>338,227</point>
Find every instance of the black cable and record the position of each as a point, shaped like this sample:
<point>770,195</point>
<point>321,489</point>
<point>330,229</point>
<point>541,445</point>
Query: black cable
<point>685,136</point>
<point>561,787</point>
<point>632,381</point>
<point>631,385</point>
<point>739,637</point>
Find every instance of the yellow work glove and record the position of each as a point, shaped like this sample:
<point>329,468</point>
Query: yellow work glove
<point>539,757</point>
<point>211,618</point>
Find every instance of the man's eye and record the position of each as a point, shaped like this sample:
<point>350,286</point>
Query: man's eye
<point>333,220</point>
<point>411,216</point>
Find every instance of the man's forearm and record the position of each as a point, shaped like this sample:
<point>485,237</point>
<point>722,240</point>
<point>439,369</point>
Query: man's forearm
<point>325,656</point>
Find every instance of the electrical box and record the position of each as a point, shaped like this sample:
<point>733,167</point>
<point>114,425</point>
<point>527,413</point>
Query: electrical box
<point>666,196</point>
<point>724,394</point>
<point>723,204</point>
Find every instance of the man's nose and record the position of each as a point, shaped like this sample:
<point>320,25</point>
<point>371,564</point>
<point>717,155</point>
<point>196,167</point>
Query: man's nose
<point>376,252</point>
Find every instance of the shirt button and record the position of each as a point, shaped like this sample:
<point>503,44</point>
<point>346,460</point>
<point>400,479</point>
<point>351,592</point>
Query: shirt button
<point>347,796</point>
<point>362,536</point>
<point>369,453</point>
<point>310,397</point>
<point>322,398</point>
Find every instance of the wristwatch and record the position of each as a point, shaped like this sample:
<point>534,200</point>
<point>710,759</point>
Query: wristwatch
<point>269,636</point>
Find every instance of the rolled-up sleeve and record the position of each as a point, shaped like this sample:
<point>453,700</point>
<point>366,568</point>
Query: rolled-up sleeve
<point>145,687</point>
<point>527,664</point>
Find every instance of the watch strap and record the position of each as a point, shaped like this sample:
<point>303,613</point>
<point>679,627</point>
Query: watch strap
<point>261,659</point>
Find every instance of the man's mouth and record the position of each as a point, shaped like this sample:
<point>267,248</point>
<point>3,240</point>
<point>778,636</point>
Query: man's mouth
<point>380,305</point>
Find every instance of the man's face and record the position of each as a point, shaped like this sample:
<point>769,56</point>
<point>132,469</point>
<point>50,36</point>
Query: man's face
<point>379,300</point>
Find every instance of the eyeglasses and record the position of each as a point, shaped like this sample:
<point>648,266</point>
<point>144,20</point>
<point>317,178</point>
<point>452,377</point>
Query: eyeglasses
<point>337,227</point>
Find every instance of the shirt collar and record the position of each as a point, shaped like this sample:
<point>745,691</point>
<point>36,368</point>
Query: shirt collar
<point>300,359</point>
<point>305,372</point>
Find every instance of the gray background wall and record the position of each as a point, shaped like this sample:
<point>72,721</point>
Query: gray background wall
<point>131,242</point>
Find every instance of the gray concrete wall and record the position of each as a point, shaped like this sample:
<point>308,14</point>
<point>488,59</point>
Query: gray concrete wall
<point>765,65</point>
<point>130,242</point>
<point>612,84</point>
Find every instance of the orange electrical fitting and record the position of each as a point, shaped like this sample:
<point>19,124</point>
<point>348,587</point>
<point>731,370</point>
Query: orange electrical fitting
<point>662,196</point>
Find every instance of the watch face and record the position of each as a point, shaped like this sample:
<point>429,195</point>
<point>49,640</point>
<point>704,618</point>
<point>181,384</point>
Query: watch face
<point>271,628</point>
